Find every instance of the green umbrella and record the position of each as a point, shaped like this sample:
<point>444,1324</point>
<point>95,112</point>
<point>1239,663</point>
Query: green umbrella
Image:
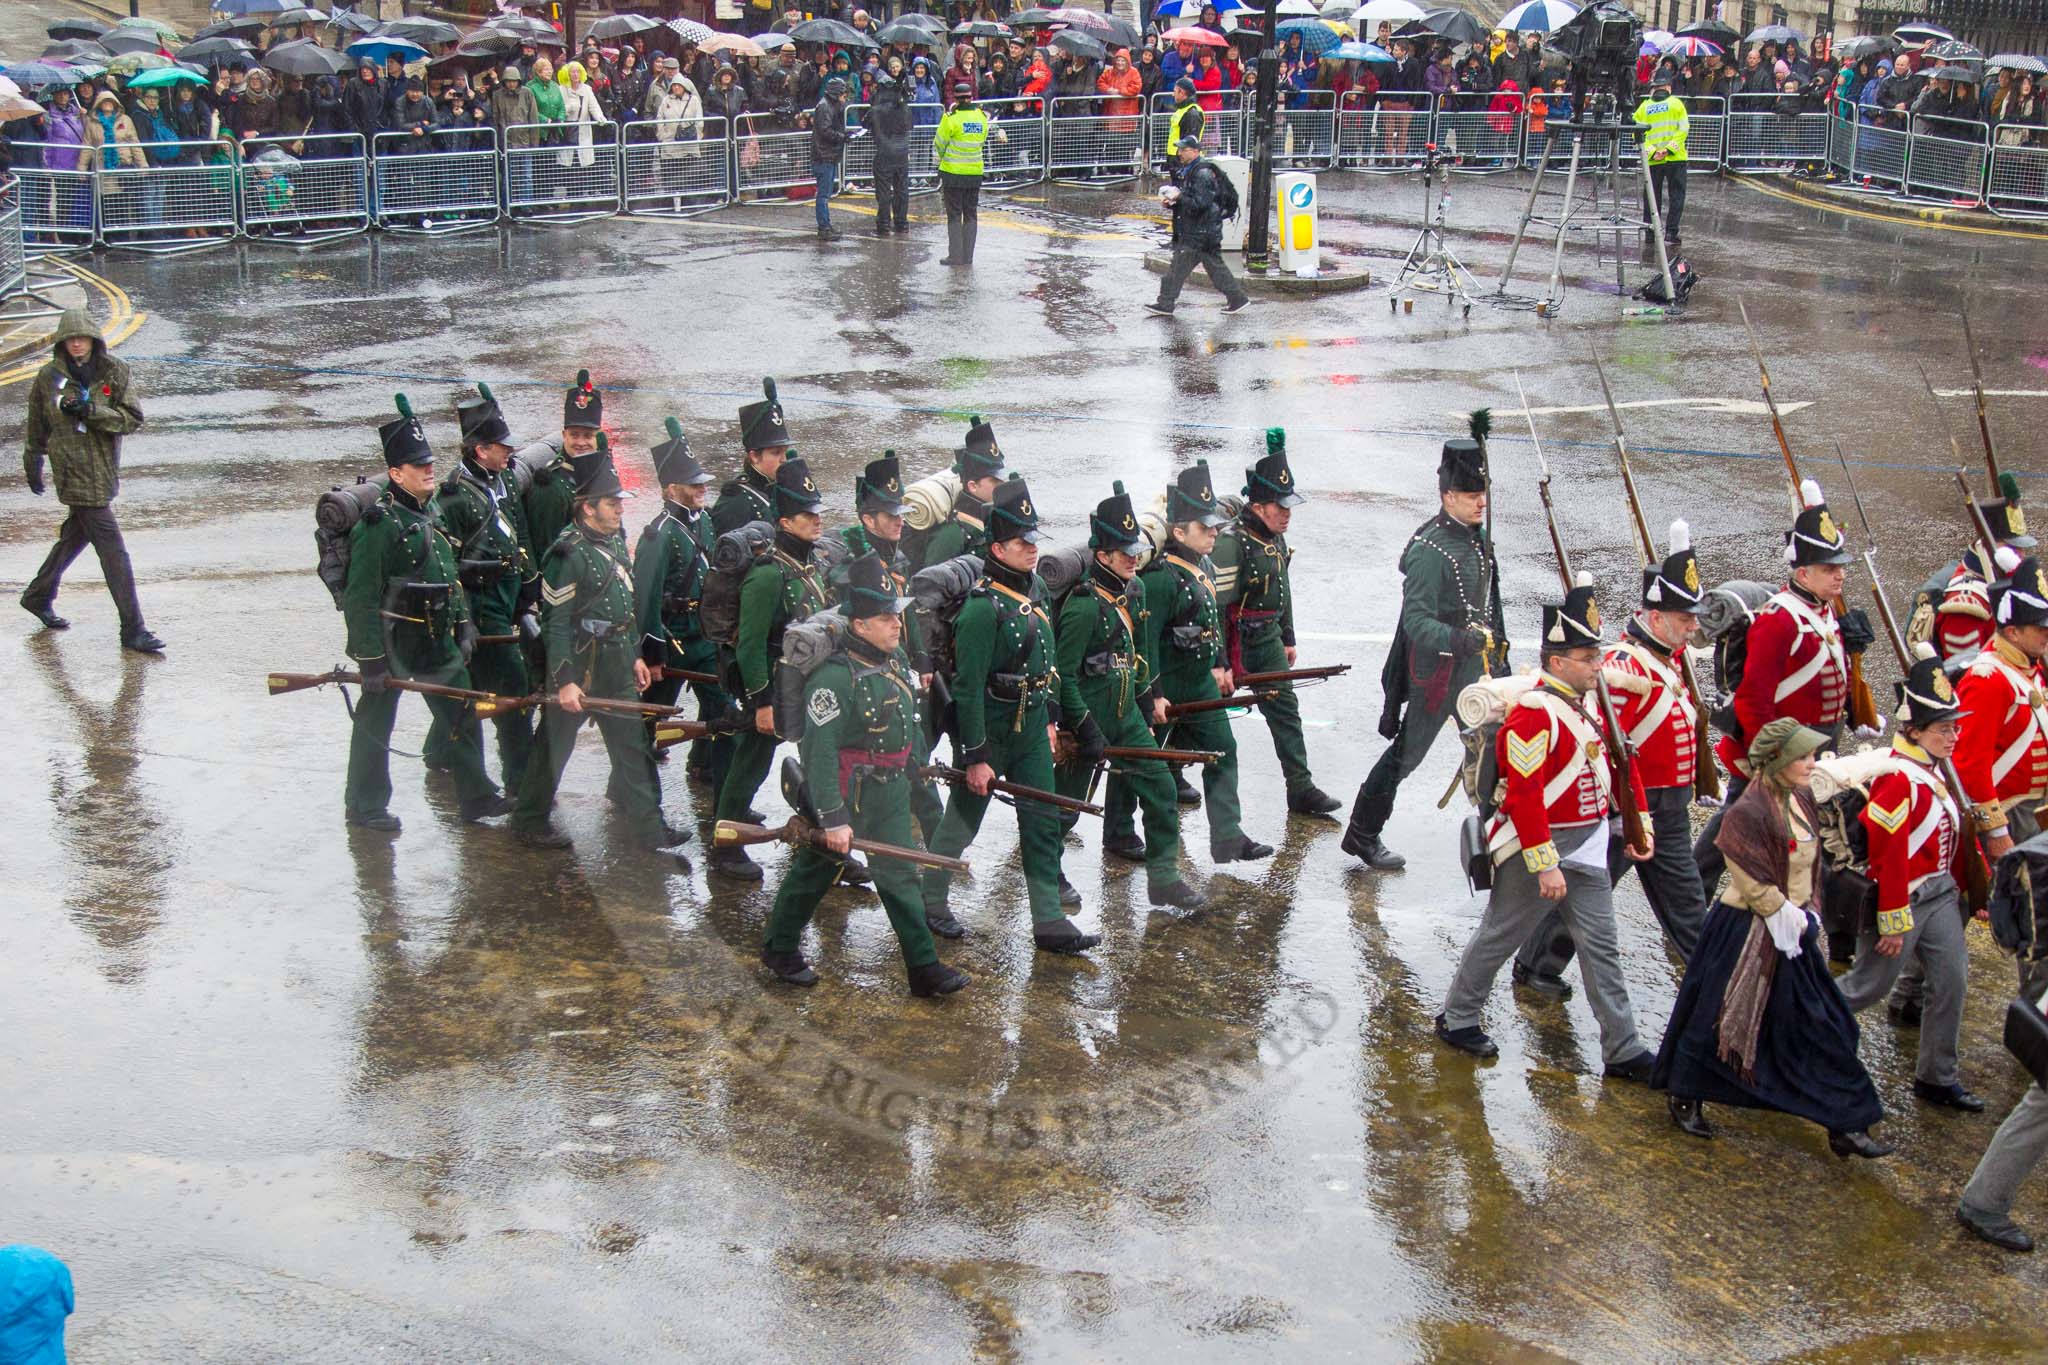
<point>162,76</point>
<point>128,63</point>
<point>168,30</point>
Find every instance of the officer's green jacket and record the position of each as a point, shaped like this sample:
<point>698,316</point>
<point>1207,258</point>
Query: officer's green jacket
<point>550,500</point>
<point>486,524</point>
<point>963,533</point>
<point>587,623</point>
<point>960,138</point>
<point>1665,125</point>
<point>859,542</point>
<point>1004,659</point>
<point>1101,669</point>
<point>1449,580</point>
<point>398,561</point>
<point>668,581</point>
<point>1181,634</point>
<point>860,714</point>
<point>782,587</point>
<point>1251,586</point>
<point>750,497</point>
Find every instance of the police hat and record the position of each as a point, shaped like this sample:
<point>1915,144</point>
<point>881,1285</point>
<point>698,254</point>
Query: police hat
<point>1192,497</point>
<point>1926,695</point>
<point>879,487</point>
<point>870,591</point>
<point>1011,514</point>
<point>582,405</point>
<point>1674,585</point>
<point>673,462</point>
<point>1462,469</point>
<point>1814,537</point>
<point>761,424</point>
<point>1270,480</point>
<point>1574,622</point>
<point>483,424</point>
<point>596,475</point>
<point>403,438</point>
<point>979,457</point>
<point>1113,525</point>
<point>794,490</point>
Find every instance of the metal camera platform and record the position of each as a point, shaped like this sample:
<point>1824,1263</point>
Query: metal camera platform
<point>1431,267</point>
<point>1599,151</point>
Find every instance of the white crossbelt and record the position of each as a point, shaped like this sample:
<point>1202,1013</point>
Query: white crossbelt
<point>1830,648</point>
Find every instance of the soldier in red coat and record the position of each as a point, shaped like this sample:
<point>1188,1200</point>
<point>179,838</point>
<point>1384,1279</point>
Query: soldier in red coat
<point>1661,723</point>
<point>1549,843</point>
<point>1953,607</point>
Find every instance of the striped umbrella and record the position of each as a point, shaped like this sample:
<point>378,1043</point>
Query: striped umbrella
<point>2018,61</point>
<point>1537,16</point>
<point>42,75</point>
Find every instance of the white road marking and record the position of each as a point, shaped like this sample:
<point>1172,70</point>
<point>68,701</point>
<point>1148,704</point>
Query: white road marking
<point>1730,407</point>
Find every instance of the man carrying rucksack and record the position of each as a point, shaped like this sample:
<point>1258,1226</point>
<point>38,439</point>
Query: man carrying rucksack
<point>1201,197</point>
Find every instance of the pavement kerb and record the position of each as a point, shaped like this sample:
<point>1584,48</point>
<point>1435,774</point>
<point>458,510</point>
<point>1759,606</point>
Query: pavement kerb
<point>1891,210</point>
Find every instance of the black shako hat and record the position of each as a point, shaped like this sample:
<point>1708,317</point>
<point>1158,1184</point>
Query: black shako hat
<point>2018,597</point>
<point>673,462</point>
<point>879,487</point>
<point>1270,480</point>
<point>870,590</point>
<point>1814,537</point>
<point>1925,695</point>
<point>979,457</point>
<point>1192,497</point>
<point>1462,468</point>
<point>483,423</point>
<point>596,475</point>
<point>403,438</point>
<point>583,405</point>
<point>1574,622</point>
<point>1113,525</point>
<point>761,424</point>
<point>2007,522</point>
<point>1675,584</point>
<point>794,490</point>
<point>1011,514</point>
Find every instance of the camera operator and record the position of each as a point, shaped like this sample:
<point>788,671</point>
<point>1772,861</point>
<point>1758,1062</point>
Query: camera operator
<point>1665,124</point>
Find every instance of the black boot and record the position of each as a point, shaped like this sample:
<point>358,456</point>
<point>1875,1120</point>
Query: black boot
<point>1070,894</point>
<point>1242,850</point>
<point>790,967</point>
<point>733,862</point>
<point>1061,936</point>
<point>48,616</point>
<point>936,978</point>
<point>486,807</point>
<point>1543,983</point>
<point>1127,846</point>
<point>1184,791</point>
<point>855,873</point>
<point>1176,899</point>
<point>1857,1142</point>
<point>1313,801</point>
<point>1690,1116</point>
<point>547,836</point>
<point>939,919</point>
<point>384,822</point>
<point>1362,836</point>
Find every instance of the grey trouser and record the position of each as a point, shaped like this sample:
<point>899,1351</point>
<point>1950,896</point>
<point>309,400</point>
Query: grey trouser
<point>1515,909</point>
<point>2022,824</point>
<point>1671,882</point>
<point>95,526</point>
<point>1186,256</point>
<point>1937,943</point>
<point>2014,1150</point>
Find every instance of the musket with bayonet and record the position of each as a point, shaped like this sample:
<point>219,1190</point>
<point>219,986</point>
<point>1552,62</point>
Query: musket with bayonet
<point>1706,777</point>
<point>1983,417</point>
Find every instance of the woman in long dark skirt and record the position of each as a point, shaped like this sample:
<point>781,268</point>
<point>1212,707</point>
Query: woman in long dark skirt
<point>1759,1022</point>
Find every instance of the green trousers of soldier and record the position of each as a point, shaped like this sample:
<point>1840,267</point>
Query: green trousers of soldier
<point>369,748</point>
<point>632,781</point>
<point>1146,780</point>
<point>1022,755</point>
<point>500,669</point>
<point>881,812</point>
<point>753,754</point>
<point>1208,730</point>
<point>1283,713</point>
<point>711,758</point>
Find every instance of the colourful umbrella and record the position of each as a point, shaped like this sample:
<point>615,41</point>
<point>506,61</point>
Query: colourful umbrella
<point>128,63</point>
<point>379,48</point>
<point>1200,37</point>
<point>1181,9</point>
<point>1691,46</point>
<point>1317,37</point>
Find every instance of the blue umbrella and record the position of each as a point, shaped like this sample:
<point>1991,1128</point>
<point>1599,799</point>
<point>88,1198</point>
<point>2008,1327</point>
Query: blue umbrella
<point>1185,8</point>
<point>1359,52</point>
<point>1317,37</point>
<point>1538,16</point>
<point>379,48</point>
<point>36,75</point>
<point>253,6</point>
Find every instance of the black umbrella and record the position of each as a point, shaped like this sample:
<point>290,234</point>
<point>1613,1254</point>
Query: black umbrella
<point>348,21</point>
<point>1954,73</point>
<point>623,26</point>
<point>981,28</point>
<point>250,24</point>
<point>77,50</point>
<point>89,29</point>
<point>1079,45</point>
<point>1775,33</point>
<point>487,42</point>
<point>1918,32</point>
<point>301,57</point>
<point>1031,18</point>
<point>1113,32</point>
<point>425,32</point>
<point>1956,50</point>
<point>295,16</point>
<point>220,50</point>
<point>1869,45</point>
<point>925,21</point>
<point>523,26</point>
<point>1714,31</point>
<point>830,31</point>
<point>1452,24</point>
<point>912,35</point>
<point>132,40</point>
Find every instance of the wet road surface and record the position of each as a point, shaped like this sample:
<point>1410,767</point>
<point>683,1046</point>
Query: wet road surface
<point>280,1093</point>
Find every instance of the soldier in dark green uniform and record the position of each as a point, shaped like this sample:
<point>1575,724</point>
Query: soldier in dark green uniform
<point>1251,561</point>
<point>1450,633</point>
<point>591,635</point>
<point>1180,634</point>
<point>751,497</point>
<point>1005,686</point>
<point>550,501</point>
<point>860,738</point>
<point>1107,697</point>
<point>784,586</point>
<point>668,580</point>
<point>979,463</point>
<point>406,619</point>
<point>500,577</point>
<point>878,501</point>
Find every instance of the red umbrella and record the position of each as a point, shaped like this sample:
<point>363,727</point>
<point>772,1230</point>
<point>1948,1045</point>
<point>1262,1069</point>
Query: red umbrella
<point>1201,37</point>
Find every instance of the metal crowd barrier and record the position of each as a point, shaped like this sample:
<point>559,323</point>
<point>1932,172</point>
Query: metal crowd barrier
<point>1706,131</point>
<point>13,253</point>
<point>1877,158</point>
<point>1222,129</point>
<point>1095,138</point>
<point>58,206</point>
<point>445,182</point>
<point>1015,151</point>
<point>175,200</point>
<point>770,156</point>
<point>1761,138</point>
<point>2017,185</point>
<point>305,190</point>
<point>1306,138</point>
<point>1841,145</point>
<point>1947,161</point>
<point>857,165</point>
<point>677,167</point>
<point>564,179</point>
<point>1483,141</point>
<point>1384,140</point>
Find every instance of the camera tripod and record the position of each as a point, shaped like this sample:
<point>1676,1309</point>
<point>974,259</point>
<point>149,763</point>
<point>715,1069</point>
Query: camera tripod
<point>1599,212</point>
<point>1431,267</point>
